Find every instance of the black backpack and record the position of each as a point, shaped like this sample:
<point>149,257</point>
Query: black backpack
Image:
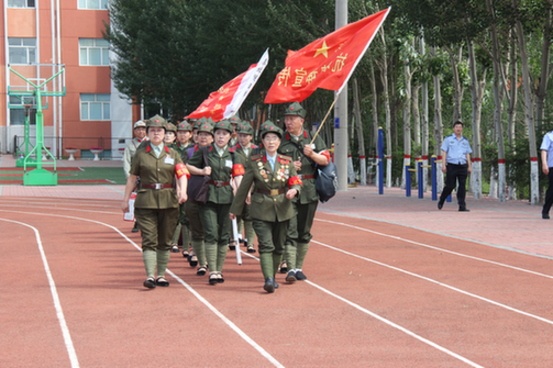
<point>326,181</point>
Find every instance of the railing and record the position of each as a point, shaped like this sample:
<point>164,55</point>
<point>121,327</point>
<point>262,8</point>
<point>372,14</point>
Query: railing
<point>112,148</point>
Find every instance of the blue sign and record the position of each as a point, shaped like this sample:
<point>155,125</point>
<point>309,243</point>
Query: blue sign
<point>337,122</point>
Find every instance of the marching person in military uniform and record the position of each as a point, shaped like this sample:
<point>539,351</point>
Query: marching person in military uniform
<point>139,132</point>
<point>170,135</point>
<point>204,138</point>
<point>296,143</point>
<point>157,201</point>
<point>214,214</point>
<point>244,149</point>
<point>184,132</point>
<point>276,184</point>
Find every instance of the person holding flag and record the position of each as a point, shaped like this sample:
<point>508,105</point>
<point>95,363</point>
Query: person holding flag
<point>296,143</point>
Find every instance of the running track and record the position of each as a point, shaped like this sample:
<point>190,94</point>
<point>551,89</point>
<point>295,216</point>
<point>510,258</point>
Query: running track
<point>379,294</point>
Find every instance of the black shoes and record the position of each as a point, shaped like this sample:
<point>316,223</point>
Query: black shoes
<point>150,283</point>
<point>440,204</point>
<point>291,276</point>
<point>269,285</point>
<point>300,276</point>
<point>463,209</point>
<point>545,216</point>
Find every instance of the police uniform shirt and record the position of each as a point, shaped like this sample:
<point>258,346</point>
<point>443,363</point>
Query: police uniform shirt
<point>456,150</point>
<point>547,145</point>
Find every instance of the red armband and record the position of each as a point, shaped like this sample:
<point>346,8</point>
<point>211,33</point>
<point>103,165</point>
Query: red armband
<point>294,180</point>
<point>238,170</point>
<point>326,154</point>
<point>181,170</point>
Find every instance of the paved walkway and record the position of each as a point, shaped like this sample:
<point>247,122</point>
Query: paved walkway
<point>512,225</point>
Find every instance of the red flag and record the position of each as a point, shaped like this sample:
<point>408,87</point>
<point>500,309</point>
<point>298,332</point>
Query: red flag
<point>325,63</point>
<point>226,101</point>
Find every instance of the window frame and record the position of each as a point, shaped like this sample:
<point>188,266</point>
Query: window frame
<point>105,106</point>
<point>29,49</point>
<point>26,6</point>
<point>89,49</point>
<point>85,5</point>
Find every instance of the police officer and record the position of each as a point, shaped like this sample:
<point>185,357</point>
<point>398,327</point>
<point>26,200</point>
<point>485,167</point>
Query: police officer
<point>296,143</point>
<point>214,216</point>
<point>276,183</point>
<point>546,149</point>
<point>457,164</point>
<point>156,204</point>
<point>139,132</point>
<point>244,149</point>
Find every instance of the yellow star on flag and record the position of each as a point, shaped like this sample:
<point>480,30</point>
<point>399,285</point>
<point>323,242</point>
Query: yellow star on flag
<point>322,51</point>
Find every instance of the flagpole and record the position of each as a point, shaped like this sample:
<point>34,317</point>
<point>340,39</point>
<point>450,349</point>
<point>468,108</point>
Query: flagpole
<point>324,119</point>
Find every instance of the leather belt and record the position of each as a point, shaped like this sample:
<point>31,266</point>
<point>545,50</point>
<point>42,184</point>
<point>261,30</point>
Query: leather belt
<point>156,186</point>
<point>272,192</point>
<point>219,183</point>
<point>306,177</point>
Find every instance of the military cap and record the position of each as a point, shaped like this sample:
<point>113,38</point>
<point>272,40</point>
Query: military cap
<point>271,128</point>
<point>206,128</point>
<point>265,124</point>
<point>235,119</point>
<point>171,128</point>
<point>296,109</point>
<point>139,123</point>
<point>225,125</point>
<point>157,121</point>
<point>210,121</point>
<point>244,128</point>
<point>184,126</point>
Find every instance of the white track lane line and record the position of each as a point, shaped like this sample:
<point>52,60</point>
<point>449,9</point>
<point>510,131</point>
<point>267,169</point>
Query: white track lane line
<point>541,319</point>
<point>386,321</point>
<point>57,304</point>
<point>229,323</point>
<point>437,248</point>
<point>365,230</point>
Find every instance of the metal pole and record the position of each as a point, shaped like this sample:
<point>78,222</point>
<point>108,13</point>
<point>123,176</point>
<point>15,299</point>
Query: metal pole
<point>420,183</point>
<point>434,179</point>
<point>407,181</point>
<point>380,161</point>
<point>341,113</point>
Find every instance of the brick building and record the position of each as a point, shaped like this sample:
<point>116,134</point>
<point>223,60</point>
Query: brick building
<point>40,35</point>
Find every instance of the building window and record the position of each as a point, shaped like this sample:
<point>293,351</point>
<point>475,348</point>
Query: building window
<point>22,50</point>
<point>95,106</point>
<point>93,52</point>
<point>93,4</point>
<point>21,3</point>
<point>17,110</point>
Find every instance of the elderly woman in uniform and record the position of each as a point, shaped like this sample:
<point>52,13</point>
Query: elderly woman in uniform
<point>157,200</point>
<point>276,183</point>
<point>214,214</point>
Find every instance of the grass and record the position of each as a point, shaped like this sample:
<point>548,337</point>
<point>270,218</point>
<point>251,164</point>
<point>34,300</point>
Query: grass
<point>88,176</point>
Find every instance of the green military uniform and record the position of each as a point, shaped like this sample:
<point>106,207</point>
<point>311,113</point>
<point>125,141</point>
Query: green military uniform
<point>299,232</point>
<point>183,225</point>
<point>244,155</point>
<point>214,213</point>
<point>156,204</point>
<point>270,210</point>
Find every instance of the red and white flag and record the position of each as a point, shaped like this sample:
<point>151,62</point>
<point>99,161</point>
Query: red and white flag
<point>226,101</point>
<point>325,63</point>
